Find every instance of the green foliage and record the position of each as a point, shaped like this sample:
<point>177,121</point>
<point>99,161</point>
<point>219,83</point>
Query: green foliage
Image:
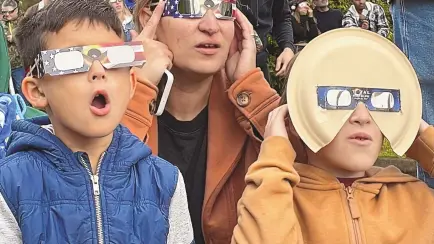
<point>386,150</point>
<point>25,4</point>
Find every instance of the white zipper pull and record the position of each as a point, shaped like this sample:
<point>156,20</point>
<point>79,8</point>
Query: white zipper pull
<point>95,186</point>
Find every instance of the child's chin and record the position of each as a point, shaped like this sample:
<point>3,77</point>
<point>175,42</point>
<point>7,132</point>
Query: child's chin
<point>361,164</point>
<point>99,131</point>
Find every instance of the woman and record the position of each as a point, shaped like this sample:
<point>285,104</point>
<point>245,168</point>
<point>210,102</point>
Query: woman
<point>303,23</point>
<point>216,111</point>
<point>126,18</point>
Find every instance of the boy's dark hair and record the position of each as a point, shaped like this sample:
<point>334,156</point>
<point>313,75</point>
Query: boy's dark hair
<point>298,144</point>
<point>30,35</point>
<point>290,64</point>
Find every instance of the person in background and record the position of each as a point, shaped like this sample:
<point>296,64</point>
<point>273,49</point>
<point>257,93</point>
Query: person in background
<point>413,30</point>
<point>367,15</point>
<point>303,23</point>
<point>12,15</point>
<point>327,18</point>
<point>126,19</point>
<point>271,17</point>
<point>36,7</point>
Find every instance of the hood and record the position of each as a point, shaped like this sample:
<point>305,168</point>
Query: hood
<point>353,11</point>
<point>315,178</point>
<point>29,136</point>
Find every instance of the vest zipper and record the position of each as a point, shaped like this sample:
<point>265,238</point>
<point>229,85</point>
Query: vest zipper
<point>355,215</point>
<point>96,195</point>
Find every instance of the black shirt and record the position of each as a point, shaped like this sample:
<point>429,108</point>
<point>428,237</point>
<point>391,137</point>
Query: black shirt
<point>328,20</point>
<point>305,30</point>
<point>184,144</point>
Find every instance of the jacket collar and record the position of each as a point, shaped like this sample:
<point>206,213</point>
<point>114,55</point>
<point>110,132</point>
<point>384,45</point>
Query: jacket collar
<point>28,135</point>
<point>315,178</point>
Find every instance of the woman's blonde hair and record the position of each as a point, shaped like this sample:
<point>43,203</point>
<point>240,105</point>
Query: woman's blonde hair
<point>140,5</point>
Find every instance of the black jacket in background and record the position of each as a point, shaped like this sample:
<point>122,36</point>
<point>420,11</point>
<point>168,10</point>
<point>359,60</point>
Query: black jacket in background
<point>270,17</point>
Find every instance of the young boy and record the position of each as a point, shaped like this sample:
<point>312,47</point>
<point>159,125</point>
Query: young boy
<point>79,177</point>
<point>336,195</point>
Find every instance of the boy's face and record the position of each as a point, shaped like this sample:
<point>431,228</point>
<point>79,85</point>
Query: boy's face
<point>9,13</point>
<point>70,99</point>
<point>357,145</point>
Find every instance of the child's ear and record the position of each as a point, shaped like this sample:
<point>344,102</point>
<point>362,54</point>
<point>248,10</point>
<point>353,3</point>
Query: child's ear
<point>133,81</point>
<point>34,93</point>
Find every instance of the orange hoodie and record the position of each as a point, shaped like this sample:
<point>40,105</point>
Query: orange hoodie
<point>298,203</point>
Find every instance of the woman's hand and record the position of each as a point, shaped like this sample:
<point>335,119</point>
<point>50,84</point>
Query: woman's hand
<point>242,54</point>
<point>158,56</point>
<point>276,122</point>
<point>310,12</point>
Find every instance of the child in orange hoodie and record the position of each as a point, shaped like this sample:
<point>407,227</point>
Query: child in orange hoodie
<point>335,196</point>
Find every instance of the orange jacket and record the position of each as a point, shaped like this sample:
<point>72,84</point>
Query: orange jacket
<point>234,109</point>
<point>286,202</point>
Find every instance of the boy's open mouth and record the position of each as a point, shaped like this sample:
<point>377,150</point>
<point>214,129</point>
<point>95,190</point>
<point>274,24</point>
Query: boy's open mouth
<point>100,104</point>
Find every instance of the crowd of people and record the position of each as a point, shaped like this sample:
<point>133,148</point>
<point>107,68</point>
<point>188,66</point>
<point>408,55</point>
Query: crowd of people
<point>229,160</point>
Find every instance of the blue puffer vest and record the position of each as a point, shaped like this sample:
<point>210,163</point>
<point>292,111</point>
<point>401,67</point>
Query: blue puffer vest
<point>50,192</point>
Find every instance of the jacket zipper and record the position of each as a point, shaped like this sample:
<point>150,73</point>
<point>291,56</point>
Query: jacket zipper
<point>96,196</point>
<point>355,214</point>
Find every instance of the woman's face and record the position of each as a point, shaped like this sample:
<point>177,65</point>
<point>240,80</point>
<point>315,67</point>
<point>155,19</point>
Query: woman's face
<point>198,45</point>
<point>118,5</point>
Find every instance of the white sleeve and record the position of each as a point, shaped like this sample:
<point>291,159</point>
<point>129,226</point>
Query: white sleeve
<point>10,233</point>
<point>180,227</point>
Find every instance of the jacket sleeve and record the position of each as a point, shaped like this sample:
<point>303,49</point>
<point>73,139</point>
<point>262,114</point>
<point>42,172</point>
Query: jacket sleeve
<point>422,150</point>
<point>138,118</point>
<point>9,230</point>
<point>266,209</point>
<point>282,27</point>
<point>253,115</point>
<point>349,21</point>
<point>382,24</point>
<point>180,227</point>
